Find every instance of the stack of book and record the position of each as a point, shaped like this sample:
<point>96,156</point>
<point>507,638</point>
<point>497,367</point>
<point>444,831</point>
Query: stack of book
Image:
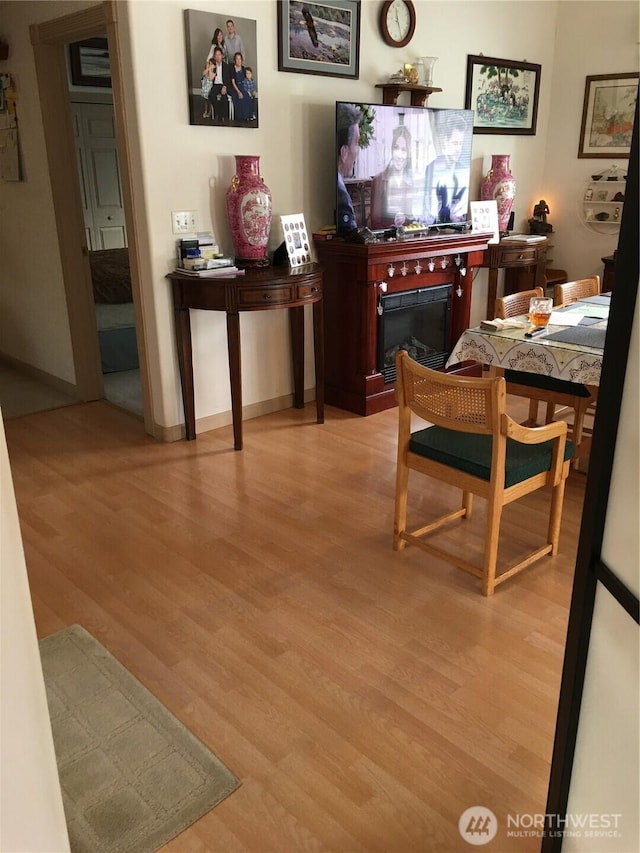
<point>221,270</point>
<point>523,238</point>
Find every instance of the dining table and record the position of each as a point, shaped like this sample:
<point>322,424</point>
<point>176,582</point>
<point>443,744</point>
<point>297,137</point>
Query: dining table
<point>570,347</point>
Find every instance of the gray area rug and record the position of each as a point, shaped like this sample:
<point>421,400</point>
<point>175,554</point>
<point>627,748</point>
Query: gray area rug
<point>132,775</point>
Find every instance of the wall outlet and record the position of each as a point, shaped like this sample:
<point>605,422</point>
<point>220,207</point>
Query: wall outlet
<point>183,221</point>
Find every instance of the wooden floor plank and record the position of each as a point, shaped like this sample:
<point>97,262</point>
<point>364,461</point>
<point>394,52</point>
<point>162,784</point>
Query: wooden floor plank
<point>364,697</point>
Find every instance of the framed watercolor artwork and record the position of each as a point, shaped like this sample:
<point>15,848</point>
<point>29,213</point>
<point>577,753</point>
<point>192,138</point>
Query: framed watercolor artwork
<point>319,38</point>
<point>503,94</point>
<point>607,115</point>
<point>222,69</point>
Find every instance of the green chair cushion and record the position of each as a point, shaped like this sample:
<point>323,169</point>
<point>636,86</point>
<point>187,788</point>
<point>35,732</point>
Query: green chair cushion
<point>546,383</point>
<point>472,453</point>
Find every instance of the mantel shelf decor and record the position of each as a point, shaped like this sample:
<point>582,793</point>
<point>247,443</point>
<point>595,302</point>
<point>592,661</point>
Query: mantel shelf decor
<point>419,94</point>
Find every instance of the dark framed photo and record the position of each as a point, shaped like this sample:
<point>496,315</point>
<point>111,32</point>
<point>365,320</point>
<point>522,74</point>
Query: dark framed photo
<point>319,38</point>
<point>607,115</point>
<point>503,94</point>
<point>222,69</point>
<point>89,61</point>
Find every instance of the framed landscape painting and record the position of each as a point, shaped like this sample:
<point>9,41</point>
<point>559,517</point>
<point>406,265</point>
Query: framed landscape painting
<point>503,94</point>
<point>319,38</point>
<point>607,115</point>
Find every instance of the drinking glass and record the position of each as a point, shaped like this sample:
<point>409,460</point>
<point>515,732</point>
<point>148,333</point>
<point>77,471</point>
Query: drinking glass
<point>540,310</point>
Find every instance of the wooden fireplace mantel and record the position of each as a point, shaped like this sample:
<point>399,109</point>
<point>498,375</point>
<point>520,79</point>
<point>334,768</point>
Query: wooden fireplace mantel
<point>355,276</point>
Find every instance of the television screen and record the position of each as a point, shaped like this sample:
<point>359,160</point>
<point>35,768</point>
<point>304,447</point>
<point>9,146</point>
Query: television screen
<point>400,165</point>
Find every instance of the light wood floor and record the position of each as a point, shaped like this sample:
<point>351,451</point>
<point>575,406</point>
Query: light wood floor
<point>364,697</point>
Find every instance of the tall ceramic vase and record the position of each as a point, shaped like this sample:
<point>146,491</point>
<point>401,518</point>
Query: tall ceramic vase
<point>499,184</point>
<point>249,211</point>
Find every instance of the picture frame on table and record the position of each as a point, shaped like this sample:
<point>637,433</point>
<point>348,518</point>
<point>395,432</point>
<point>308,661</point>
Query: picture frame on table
<point>503,94</point>
<point>323,39</point>
<point>296,239</point>
<point>607,115</point>
<point>89,62</point>
<point>484,218</point>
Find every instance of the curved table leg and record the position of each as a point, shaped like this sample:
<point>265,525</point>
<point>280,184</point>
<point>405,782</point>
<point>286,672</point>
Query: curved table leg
<point>185,364</point>
<point>318,350</point>
<point>296,327</point>
<point>235,376</point>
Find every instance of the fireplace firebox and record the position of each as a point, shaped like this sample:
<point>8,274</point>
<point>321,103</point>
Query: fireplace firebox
<point>418,321</point>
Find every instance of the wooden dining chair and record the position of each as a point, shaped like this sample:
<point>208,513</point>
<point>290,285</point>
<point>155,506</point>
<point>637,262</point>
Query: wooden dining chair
<point>473,444</point>
<point>516,304</point>
<point>536,387</point>
<point>571,291</point>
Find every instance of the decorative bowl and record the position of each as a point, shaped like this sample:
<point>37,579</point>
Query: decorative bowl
<point>595,177</point>
<point>602,216</point>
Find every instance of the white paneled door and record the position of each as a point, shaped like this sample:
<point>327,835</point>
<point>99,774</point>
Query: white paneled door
<point>94,127</point>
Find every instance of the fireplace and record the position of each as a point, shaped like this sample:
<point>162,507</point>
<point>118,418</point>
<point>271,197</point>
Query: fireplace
<point>418,321</point>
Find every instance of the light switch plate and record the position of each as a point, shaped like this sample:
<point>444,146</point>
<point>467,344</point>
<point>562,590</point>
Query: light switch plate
<point>183,221</point>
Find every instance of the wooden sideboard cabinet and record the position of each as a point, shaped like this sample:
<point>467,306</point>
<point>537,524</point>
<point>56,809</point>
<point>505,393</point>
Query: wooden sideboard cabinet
<point>357,277</point>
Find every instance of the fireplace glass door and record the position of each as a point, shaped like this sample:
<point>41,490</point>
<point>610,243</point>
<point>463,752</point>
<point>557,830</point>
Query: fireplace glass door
<point>418,321</point>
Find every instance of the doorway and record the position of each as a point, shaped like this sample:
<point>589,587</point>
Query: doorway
<point>106,239</point>
<point>50,41</point>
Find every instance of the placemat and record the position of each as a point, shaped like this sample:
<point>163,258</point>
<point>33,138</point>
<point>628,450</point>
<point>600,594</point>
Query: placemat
<point>582,335</point>
<point>598,300</point>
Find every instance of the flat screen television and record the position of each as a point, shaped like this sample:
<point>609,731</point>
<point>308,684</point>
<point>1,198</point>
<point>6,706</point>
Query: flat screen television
<point>400,165</point>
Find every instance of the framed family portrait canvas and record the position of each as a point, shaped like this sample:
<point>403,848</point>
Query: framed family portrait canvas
<point>503,94</point>
<point>607,115</point>
<point>319,38</point>
<point>222,69</point>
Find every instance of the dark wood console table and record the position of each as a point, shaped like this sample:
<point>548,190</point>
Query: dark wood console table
<point>355,277</point>
<point>255,290</point>
<point>609,272</point>
<point>524,265</point>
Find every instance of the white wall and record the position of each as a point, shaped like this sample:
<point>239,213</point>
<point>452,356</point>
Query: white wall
<point>592,38</point>
<point>30,799</point>
<point>184,167</point>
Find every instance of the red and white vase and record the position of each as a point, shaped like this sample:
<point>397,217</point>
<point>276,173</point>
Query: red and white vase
<point>499,184</point>
<point>250,212</point>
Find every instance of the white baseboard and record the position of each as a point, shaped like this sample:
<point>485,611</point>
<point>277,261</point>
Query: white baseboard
<point>222,419</point>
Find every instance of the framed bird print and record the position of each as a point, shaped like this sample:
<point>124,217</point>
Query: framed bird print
<point>319,38</point>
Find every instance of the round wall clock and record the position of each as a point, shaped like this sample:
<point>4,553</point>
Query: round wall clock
<point>397,22</point>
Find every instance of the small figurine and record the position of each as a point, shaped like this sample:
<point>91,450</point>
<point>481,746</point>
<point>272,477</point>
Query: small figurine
<point>538,223</point>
